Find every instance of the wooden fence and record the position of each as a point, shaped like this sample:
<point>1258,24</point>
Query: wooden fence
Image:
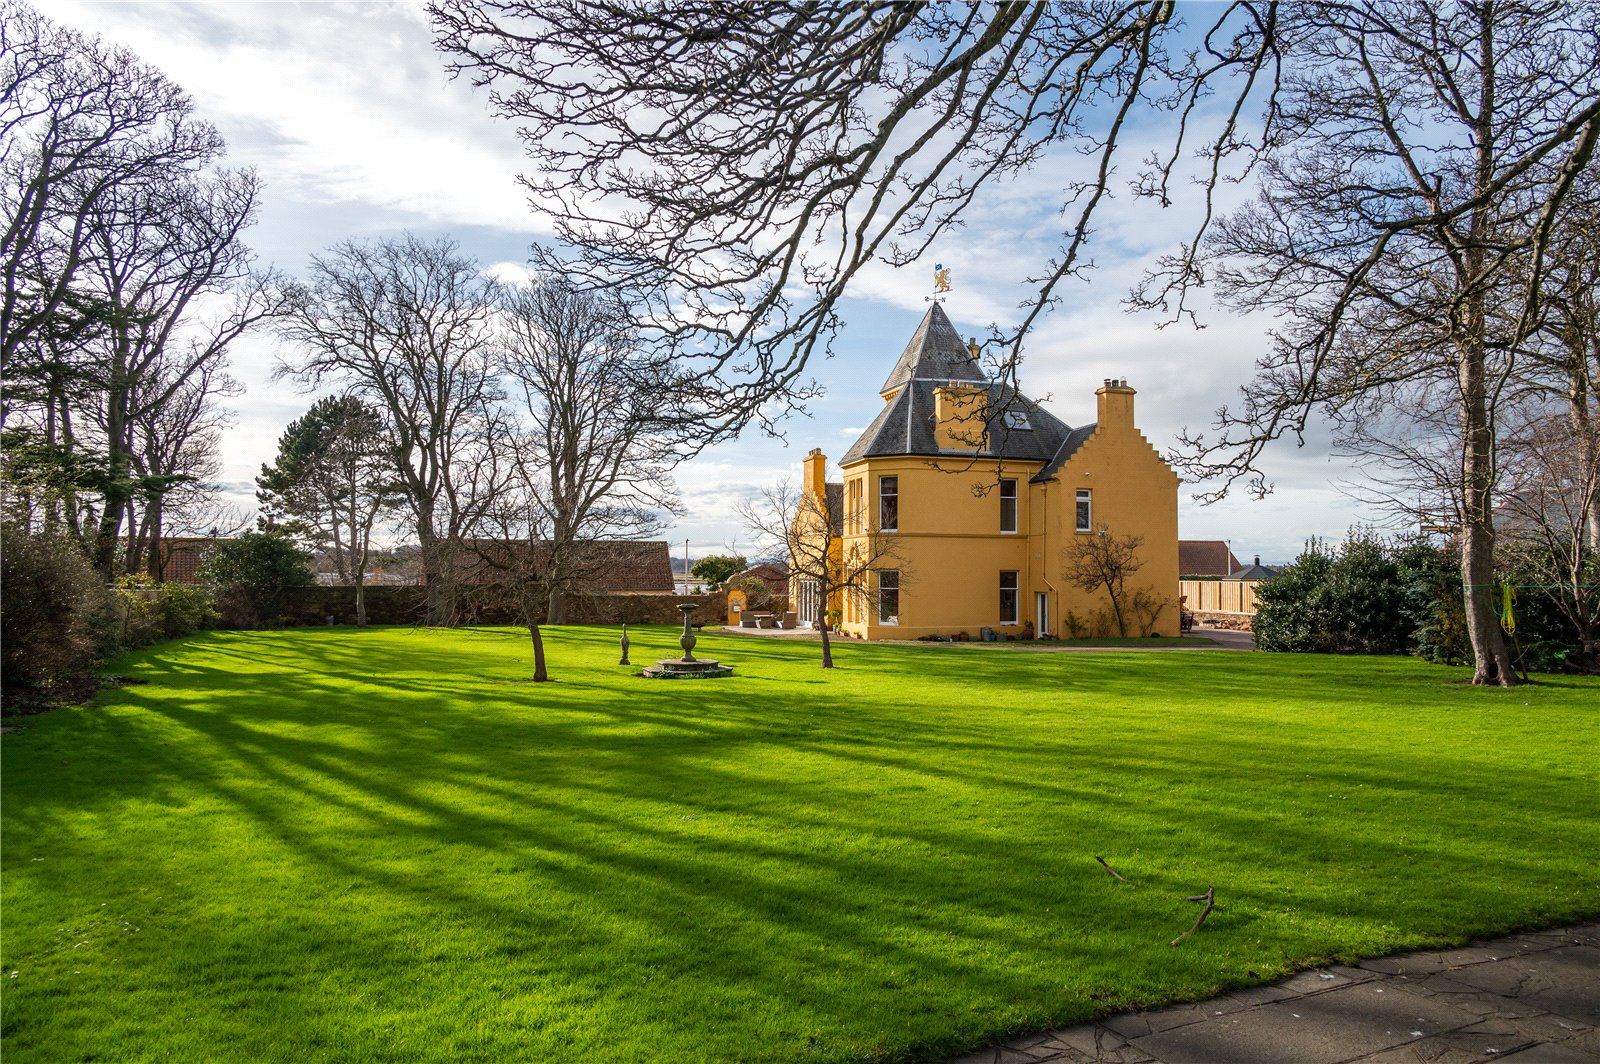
<point>1218,596</point>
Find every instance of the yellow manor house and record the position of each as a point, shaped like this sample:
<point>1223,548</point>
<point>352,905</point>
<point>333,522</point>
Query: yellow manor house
<point>966,505</point>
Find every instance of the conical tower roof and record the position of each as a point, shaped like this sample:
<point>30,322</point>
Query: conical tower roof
<point>934,353</point>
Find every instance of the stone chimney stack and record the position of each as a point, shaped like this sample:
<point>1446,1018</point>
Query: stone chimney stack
<point>815,477</point>
<point>959,412</point>
<point>1115,401</point>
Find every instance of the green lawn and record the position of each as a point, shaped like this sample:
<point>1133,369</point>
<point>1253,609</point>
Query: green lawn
<point>337,845</point>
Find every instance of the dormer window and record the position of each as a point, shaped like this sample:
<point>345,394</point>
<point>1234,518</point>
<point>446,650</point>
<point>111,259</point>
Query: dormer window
<point>1018,419</point>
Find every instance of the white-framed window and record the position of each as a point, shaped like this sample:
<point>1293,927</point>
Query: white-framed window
<point>888,504</point>
<point>888,596</point>
<point>1085,510</point>
<point>810,602</point>
<point>1008,505</point>
<point>1008,596</point>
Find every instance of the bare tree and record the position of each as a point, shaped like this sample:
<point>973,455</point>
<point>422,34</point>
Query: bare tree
<point>159,252</point>
<point>734,167</point>
<point>1423,157</point>
<point>124,271</point>
<point>1103,562</point>
<point>595,459</point>
<point>79,119</point>
<point>405,326</point>
<point>799,525</point>
<point>175,456</point>
<point>1565,352</point>
<point>1552,483</point>
<point>737,165</point>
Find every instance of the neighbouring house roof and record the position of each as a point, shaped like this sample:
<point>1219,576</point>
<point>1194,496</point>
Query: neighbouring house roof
<point>1206,557</point>
<point>835,504</point>
<point>1256,572</point>
<point>905,427</point>
<point>600,565</point>
<point>181,557</point>
<point>776,577</point>
<point>934,353</point>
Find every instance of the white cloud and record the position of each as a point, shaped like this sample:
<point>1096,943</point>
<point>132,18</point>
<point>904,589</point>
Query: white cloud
<point>341,104</point>
<point>346,112</point>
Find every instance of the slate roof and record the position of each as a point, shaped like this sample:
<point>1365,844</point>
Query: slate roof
<point>905,427</point>
<point>934,353</point>
<point>1256,572</point>
<point>1069,446</point>
<point>835,504</point>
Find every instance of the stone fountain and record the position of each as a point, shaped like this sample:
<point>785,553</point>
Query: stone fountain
<point>687,667</point>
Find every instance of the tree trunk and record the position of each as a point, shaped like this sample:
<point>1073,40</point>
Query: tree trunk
<point>438,574</point>
<point>109,533</point>
<point>155,562</point>
<point>1491,660</point>
<point>361,597</point>
<point>827,648</point>
<point>1587,437</point>
<point>1116,610</point>
<point>556,608</point>
<point>539,673</point>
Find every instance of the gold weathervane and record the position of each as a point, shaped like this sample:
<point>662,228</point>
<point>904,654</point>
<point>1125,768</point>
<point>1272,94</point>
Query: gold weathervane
<point>941,281</point>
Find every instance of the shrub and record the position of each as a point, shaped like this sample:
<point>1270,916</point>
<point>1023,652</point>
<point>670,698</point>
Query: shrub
<point>138,610</point>
<point>149,612</point>
<point>251,577</point>
<point>1432,578</point>
<point>1352,602</point>
<point>184,609</point>
<point>1289,606</point>
<point>58,622</point>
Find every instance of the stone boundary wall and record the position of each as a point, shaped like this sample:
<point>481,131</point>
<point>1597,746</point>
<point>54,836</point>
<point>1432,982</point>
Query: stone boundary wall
<point>405,604</point>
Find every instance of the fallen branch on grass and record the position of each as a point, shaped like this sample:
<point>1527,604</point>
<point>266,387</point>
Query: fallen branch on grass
<point>1210,898</point>
<point>1113,871</point>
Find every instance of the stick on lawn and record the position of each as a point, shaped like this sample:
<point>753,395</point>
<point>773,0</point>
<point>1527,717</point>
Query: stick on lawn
<point>1210,898</point>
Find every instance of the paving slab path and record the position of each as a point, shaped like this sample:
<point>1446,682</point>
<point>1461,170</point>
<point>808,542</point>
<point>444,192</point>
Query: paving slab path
<point>1532,998</point>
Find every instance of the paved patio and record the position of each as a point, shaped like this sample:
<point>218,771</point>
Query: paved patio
<point>1532,998</point>
<point>1201,638</point>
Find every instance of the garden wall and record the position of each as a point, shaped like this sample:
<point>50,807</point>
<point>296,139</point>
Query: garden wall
<point>404,604</point>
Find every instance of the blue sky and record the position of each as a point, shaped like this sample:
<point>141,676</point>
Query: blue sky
<point>347,115</point>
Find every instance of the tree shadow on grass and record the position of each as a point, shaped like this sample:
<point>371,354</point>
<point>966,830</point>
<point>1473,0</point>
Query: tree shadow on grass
<point>817,869</point>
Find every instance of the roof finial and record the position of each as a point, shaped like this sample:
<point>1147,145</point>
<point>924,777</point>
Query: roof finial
<point>941,283</point>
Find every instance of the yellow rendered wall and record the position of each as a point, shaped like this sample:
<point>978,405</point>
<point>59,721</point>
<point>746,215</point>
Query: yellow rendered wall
<point>1134,493</point>
<point>951,550</point>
